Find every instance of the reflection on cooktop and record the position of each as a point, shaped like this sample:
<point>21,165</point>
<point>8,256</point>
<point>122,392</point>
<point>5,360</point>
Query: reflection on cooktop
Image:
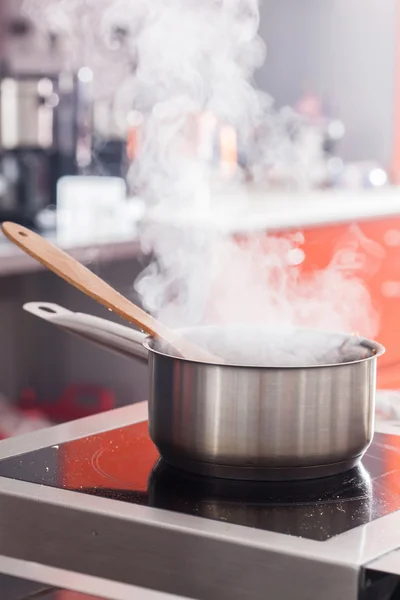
<point>124,465</point>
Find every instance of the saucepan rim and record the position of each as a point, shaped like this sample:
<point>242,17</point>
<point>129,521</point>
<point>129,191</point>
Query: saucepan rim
<point>376,349</point>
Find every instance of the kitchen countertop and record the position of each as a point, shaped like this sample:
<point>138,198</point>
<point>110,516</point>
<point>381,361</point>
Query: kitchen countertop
<point>116,245</point>
<point>233,213</point>
<point>238,212</point>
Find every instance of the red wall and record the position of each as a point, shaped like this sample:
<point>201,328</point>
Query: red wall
<point>380,242</point>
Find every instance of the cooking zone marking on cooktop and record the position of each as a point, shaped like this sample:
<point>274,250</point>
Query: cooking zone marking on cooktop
<point>124,465</point>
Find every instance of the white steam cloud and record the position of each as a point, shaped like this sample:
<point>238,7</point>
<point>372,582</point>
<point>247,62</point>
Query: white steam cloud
<point>214,279</point>
<point>182,59</point>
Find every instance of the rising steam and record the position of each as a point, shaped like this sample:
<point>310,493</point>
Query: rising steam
<point>182,59</point>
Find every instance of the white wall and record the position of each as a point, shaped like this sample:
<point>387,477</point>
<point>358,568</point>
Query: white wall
<point>343,50</point>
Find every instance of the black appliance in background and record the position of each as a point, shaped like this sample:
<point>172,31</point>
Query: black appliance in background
<point>42,119</point>
<point>109,158</point>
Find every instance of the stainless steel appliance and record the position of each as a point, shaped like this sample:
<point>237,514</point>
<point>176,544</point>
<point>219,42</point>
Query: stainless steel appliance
<point>249,422</point>
<point>39,124</point>
<point>88,506</point>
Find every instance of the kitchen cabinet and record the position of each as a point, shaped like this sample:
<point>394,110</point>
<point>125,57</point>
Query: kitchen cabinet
<point>377,244</point>
<point>374,247</point>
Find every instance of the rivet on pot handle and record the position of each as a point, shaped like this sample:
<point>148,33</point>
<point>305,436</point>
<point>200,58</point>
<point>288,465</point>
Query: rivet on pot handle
<point>112,336</point>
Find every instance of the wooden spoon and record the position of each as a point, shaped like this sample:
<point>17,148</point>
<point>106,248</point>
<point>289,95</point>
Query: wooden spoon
<point>90,284</point>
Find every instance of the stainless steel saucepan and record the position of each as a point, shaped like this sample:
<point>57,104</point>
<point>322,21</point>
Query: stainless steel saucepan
<point>240,421</point>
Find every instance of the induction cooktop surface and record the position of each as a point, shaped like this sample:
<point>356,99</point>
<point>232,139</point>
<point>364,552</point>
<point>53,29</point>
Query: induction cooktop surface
<point>124,465</point>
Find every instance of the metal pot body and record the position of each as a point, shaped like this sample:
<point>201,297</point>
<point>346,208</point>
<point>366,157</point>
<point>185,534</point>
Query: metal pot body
<point>241,422</point>
<point>256,423</point>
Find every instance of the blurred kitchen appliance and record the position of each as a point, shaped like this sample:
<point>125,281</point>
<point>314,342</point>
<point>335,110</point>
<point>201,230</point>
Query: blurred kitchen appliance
<point>89,205</point>
<point>42,119</point>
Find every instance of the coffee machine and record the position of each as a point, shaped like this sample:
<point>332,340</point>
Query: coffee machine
<point>41,123</point>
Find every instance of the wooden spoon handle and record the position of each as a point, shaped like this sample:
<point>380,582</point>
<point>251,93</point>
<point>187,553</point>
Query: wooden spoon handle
<point>65,266</point>
<point>72,271</point>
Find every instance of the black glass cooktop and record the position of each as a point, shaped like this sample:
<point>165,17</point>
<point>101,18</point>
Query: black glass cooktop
<point>124,465</point>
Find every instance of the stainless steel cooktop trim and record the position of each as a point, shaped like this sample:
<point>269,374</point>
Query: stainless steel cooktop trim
<point>85,584</point>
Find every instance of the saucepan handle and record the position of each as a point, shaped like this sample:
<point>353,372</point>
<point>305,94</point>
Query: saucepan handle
<point>112,336</point>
